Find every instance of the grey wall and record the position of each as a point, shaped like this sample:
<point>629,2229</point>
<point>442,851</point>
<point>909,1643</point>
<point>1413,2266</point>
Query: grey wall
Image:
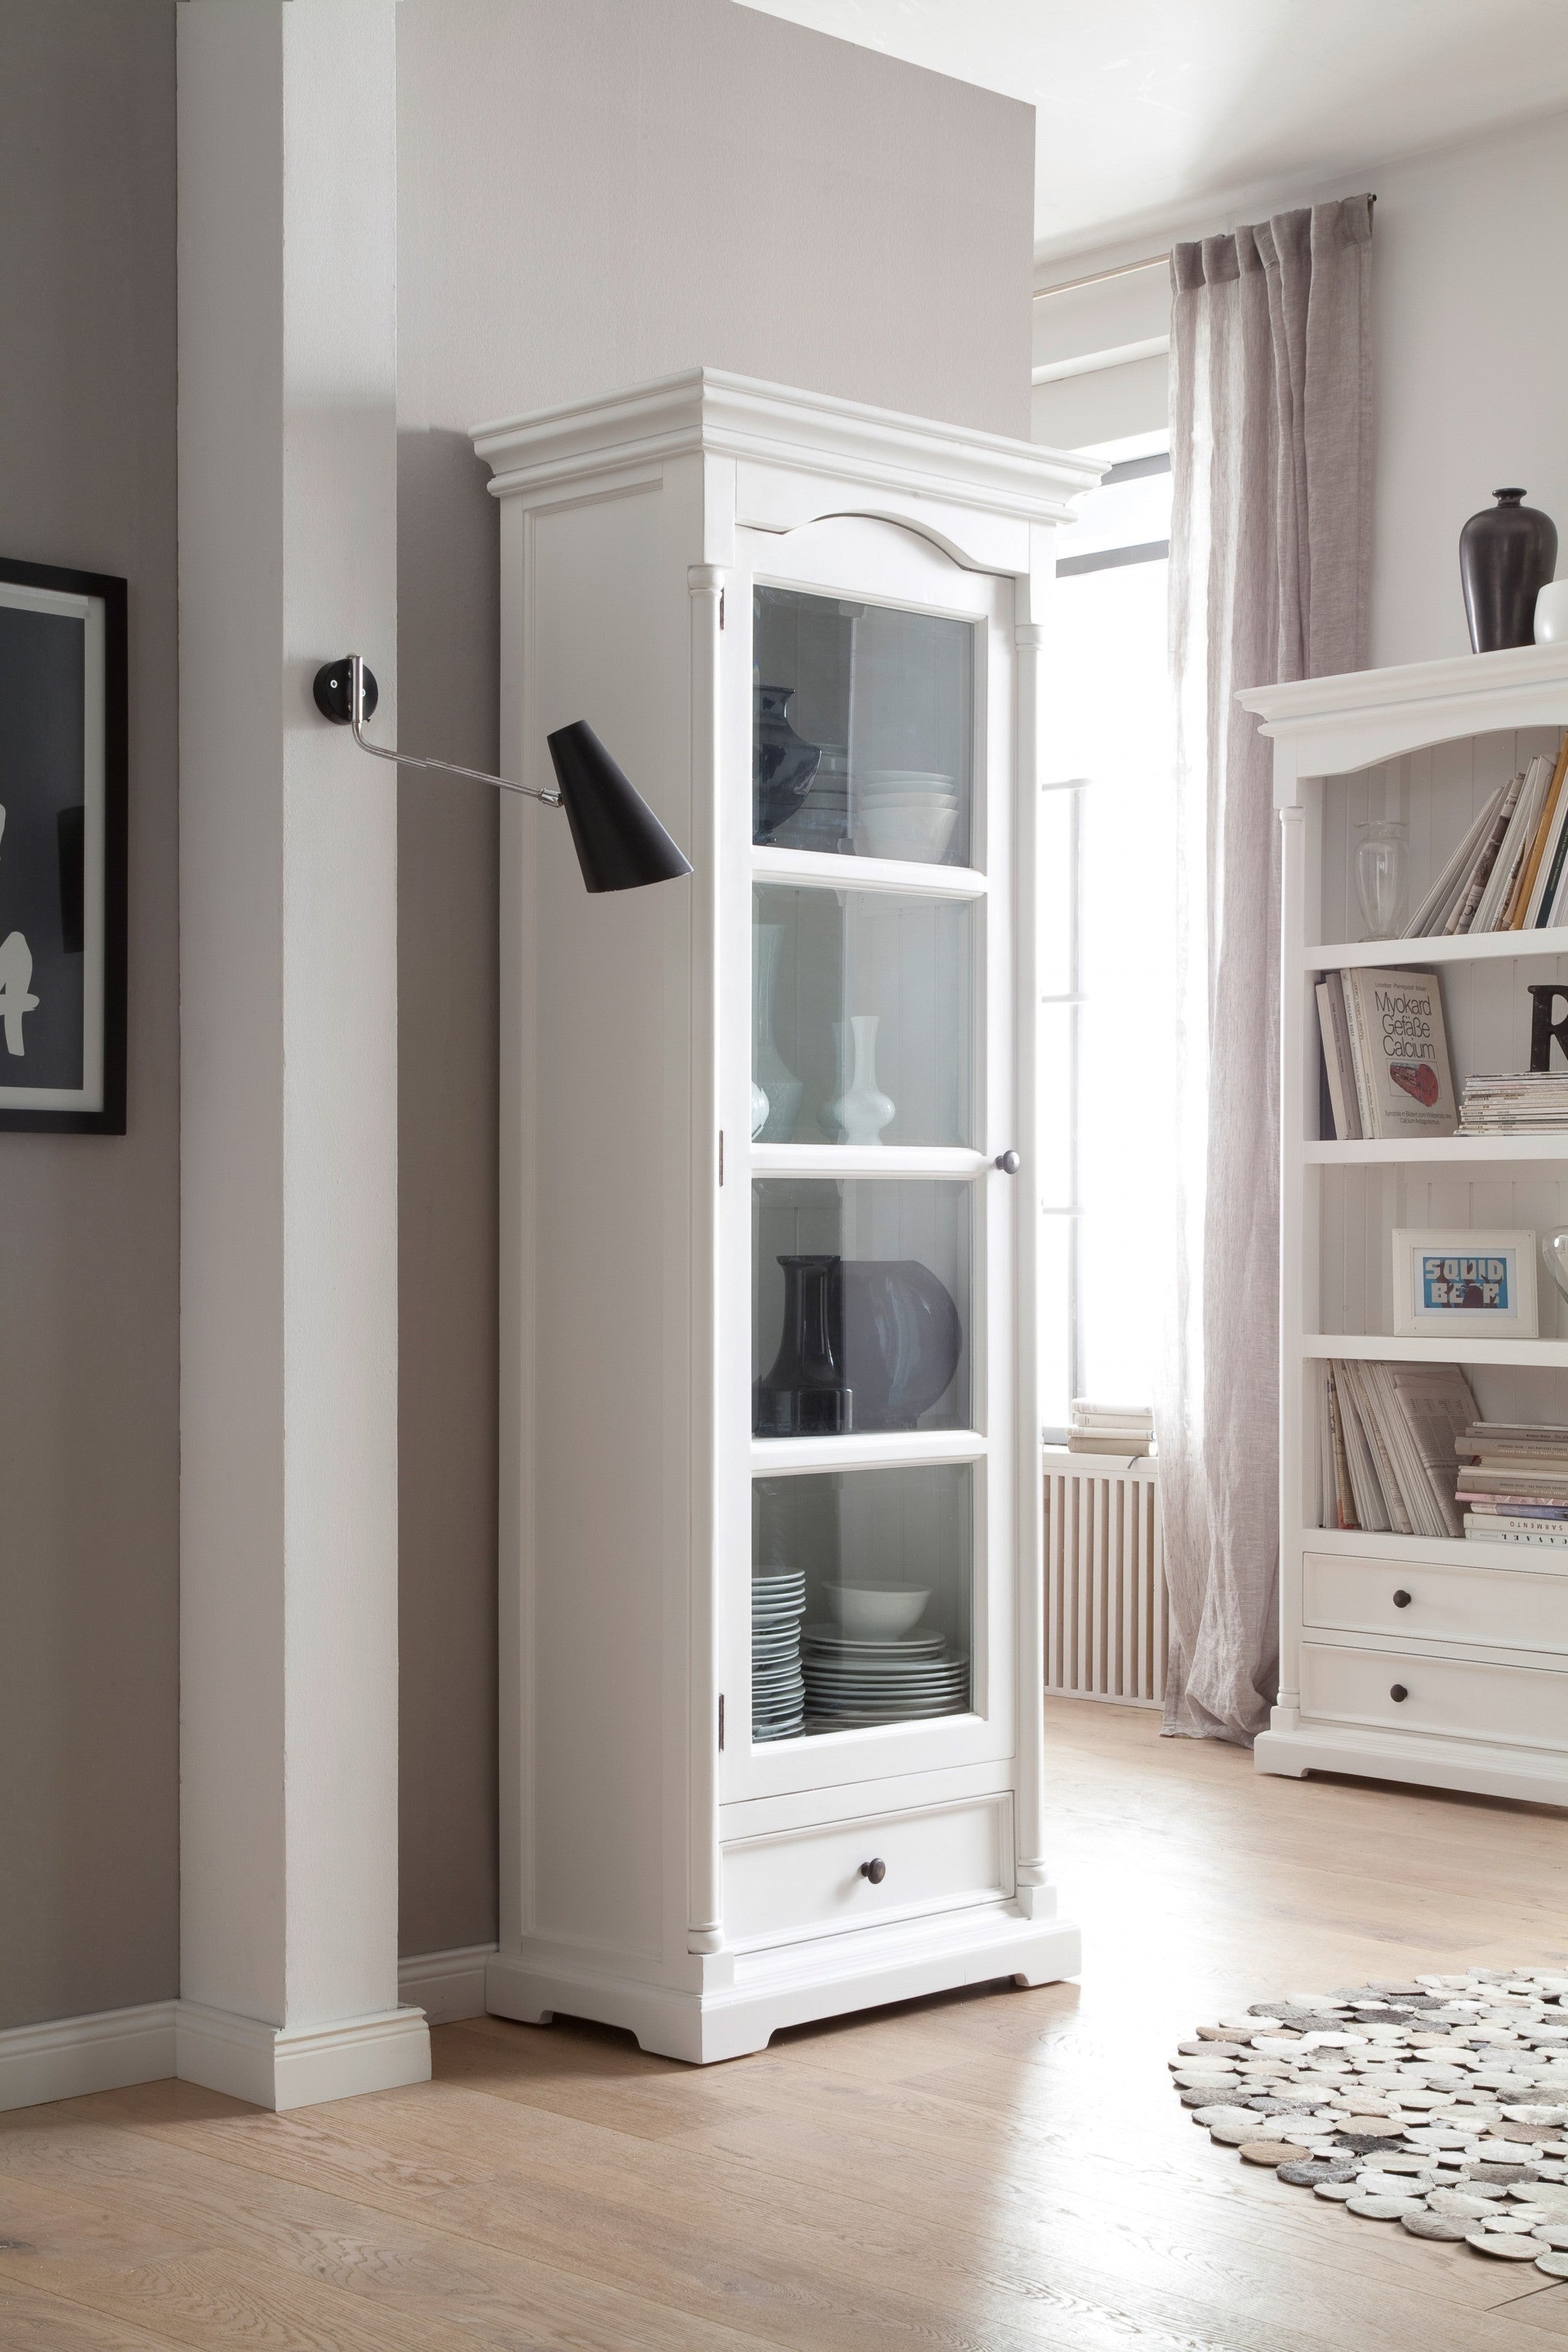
<point>591,193</point>
<point>89,1225</point>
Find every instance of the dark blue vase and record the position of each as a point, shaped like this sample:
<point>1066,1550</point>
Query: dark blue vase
<point>804,1392</point>
<point>784,764</point>
<point>1507,555</point>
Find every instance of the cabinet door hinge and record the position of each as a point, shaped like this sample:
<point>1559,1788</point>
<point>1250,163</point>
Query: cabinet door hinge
<point>721,607</point>
<point>720,1723</point>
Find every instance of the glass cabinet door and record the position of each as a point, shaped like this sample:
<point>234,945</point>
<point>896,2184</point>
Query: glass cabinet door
<point>878,1260</point>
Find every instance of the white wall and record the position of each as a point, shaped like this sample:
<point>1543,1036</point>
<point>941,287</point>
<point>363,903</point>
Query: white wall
<point>1470,358</point>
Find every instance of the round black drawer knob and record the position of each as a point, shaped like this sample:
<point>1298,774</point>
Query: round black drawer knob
<point>1402,1599</point>
<point>876,1870</point>
<point>1398,1693</point>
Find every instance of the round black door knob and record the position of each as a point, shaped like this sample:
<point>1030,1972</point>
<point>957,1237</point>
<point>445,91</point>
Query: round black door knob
<point>1402,1599</point>
<point>1398,1693</point>
<point>1008,1163</point>
<point>876,1870</point>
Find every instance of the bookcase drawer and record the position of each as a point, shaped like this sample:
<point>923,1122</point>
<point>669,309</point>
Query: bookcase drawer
<point>1446,1699</point>
<point>1489,1608</point>
<point>803,1881</point>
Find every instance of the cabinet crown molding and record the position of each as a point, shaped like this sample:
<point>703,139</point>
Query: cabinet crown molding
<point>710,410</point>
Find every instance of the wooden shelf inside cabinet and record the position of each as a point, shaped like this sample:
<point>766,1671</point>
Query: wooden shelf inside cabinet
<point>871,1449</point>
<point>1434,1150</point>
<point>1459,1348</point>
<point>1470,947</point>
<point>1444,1551</point>
<point>819,872</point>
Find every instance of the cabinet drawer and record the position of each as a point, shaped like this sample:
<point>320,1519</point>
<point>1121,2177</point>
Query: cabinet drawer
<point>1450,1699</point>
<point>797,1883</point>
<point>1489,1608</point>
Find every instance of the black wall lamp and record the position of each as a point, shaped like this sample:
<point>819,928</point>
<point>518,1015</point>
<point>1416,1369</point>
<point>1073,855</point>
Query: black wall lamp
<point>620,844</point>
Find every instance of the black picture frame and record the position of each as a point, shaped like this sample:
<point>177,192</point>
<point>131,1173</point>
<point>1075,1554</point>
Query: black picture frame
<point>67,875</point>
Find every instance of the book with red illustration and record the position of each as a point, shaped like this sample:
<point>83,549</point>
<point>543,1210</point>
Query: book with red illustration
<point>1404,1082</point>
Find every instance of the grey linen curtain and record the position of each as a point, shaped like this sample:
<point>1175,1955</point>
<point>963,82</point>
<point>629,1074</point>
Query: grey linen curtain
<point>1270,545</point>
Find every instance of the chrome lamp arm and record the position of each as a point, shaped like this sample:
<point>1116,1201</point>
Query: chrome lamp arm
<point>341,696</point>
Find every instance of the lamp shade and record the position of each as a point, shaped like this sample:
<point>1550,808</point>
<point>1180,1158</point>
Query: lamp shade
<point>620,844</point>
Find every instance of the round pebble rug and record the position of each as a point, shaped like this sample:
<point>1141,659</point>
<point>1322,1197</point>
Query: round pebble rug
<point>1438,2105</point>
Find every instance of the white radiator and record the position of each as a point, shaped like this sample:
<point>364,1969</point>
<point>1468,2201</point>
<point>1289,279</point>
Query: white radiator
<point>1105,1633</point>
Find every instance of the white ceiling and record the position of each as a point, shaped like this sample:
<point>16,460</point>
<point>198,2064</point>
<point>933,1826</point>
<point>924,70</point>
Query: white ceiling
<point>1148,110</point>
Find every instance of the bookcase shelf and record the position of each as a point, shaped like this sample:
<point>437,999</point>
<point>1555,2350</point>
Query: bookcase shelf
<point>1434,1150</point>
<point>1463,1684</point>
<point>1468,947</point>
<point>1444,1551</point>
<point>1380,1347</point>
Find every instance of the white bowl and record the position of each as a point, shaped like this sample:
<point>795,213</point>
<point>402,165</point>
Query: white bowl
<point>879,776</point>
<point>1551,614</point>
<point>922,835</point>
<point>877,1613</point>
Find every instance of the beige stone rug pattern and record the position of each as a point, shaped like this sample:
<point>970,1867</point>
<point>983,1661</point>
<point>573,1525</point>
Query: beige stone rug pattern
<point>1438,2104</point>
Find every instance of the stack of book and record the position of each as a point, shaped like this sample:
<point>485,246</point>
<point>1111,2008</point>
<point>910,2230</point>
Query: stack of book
<point>1124,1429</point>
<point>1513,1482</point>
<point>1388,1435</point>
<point>1510,871</point>
<point>1516,1102</point>
<point>1385,1053</point>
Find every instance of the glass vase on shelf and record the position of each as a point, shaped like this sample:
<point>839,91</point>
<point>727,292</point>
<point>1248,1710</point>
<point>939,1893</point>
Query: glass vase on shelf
<point>1382,870</point>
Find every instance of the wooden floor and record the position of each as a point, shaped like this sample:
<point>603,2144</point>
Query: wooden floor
<point>982,2173</point>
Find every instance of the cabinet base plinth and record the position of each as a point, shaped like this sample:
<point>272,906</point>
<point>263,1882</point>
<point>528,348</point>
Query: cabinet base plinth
<point>1473,1767</point>
<point>789,1984</point>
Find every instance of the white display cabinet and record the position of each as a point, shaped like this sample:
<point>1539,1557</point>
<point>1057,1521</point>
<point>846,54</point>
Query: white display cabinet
<point>1410,1658</point>
<point>766,1308</point>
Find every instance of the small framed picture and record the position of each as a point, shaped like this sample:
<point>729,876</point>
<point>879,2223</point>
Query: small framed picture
<point>62,849</point>
<point>1481,1283</point>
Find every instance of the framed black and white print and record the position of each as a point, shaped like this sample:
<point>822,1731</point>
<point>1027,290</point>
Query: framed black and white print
<point>62,849</point>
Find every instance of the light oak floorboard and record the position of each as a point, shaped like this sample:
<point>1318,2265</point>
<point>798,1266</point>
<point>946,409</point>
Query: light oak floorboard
<point>989,2171</point>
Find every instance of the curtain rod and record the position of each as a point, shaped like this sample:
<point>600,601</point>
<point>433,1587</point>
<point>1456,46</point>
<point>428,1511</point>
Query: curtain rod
<point>1122,269</point>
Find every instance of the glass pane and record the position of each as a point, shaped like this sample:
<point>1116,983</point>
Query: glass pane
<point>860,1017</point>
<point>859,1306</point>
<point>860,1599</point>
<point>864,729</point>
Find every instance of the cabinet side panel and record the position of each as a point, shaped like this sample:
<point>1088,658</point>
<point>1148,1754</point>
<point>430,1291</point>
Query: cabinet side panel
<point>611,1340</point>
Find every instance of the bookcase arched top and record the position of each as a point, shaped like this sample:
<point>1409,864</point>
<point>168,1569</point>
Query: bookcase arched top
<point>1329,726</point>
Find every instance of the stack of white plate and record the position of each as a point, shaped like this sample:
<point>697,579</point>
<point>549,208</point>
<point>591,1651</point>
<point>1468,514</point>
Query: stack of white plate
<point>852,1679</point>
<point>778,1693</point>
<point>908,813</point>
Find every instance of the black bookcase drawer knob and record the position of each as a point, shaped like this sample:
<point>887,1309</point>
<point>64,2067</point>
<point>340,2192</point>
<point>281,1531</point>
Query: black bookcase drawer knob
<point>1402,1599</point>
<point>1398,1693</point>
<point>875,1870</point>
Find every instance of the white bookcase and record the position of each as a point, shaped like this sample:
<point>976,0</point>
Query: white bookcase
<point>695,566</point>
<point>1405,1658</point>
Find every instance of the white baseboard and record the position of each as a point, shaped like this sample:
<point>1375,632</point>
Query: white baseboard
<point>447,1986</point>
<point>283,2067</point>
<point>69,2057</point>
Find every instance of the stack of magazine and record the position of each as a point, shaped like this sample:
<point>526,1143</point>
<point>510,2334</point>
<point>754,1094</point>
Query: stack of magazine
<point>1124,1429</point>
<point>1385,1053</point>
<point>1510,871</point>
<point>1387,1437</point>
<point>1513,1482</point>
<point>1516,1102</point>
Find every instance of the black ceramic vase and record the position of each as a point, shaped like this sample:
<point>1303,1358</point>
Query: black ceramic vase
<point>784,764</point>
<point>1507,555</point>
<point>805,1394</point>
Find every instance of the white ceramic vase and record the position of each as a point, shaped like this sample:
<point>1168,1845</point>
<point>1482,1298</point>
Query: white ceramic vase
<point>862,1110</point>
<point>771,1073</point>
<point>1551,614</point>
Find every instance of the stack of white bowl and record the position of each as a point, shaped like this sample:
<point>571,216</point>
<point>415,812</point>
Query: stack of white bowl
<point>778,1692</point>
<point>908,813</point>
<point>871,1664</point>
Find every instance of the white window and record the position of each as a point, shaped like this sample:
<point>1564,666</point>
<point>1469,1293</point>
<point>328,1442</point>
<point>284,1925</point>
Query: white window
<point>1108,940</point>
